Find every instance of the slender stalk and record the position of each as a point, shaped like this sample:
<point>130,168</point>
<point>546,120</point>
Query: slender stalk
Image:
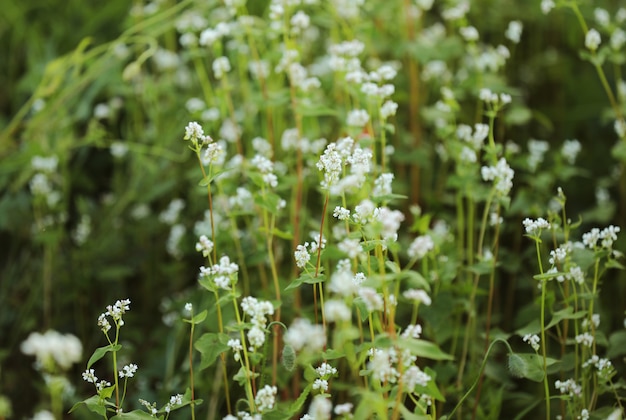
<point>191,384</point>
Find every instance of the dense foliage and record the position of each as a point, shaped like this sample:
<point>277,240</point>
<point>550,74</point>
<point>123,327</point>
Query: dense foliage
<point>287,208</point>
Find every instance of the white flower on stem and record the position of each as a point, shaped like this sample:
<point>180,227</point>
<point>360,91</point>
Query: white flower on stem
<point>351,247</point>
<point>585,339</point>
<point>388,109</point>
<point>412,331</point>
<point>618,39</point>
<point>418,296</point>
<point>414,376</point>
<point>547,5</point>
<point>204,245</point>
<point>469,33</point>
<point>320,408</point>
<point>534,227</point>
<point>128,371</point>
<point>331,165</point>
<point>302,256</point>
<point>321,384</point>
<point>266,398</point>
<point>89,375</point>
<point>381,365</point>
<point>533,340</point>
<point>382,185</point>
<point>372,299</point>
<point>357,118</point>
<point>341,213</point>
<point>344,409</point>
<point>501,174</point>
<point>514,31</point>
<point>195,133</point>
<point>570,150</point>
<point>569,387</point>
<point>304,335</point>
<point>221,66</point>
<point>337,310</point>
<point>236,347</point>
<point>592,39</point>
<point>390,221</point>
<point>420,247</point>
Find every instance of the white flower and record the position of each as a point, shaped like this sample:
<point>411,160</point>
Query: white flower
<point>420,247</point>
<point>533,227</point>
<point>502,174</point>
<point>302,256</point>
<point>546,6</point>
<point>568,387</point>
<point>221,66</point>
<point>302,335</point>
<point>128,371</point>
<point>336,310</point>
<point>357,118</point>
<point>414,376</point>
<point>592,39</point>
<point>514,31</point>
<point>372,299</point>
<point>266,398</point>
<point>388,109</point>
<point>53,347</point>
<point>533,340</point>
<point>320,408</point>
<point>417,295</point>
<point>585,339</point>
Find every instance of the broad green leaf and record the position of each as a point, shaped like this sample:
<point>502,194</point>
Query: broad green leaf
<point>528,365</point>
<point>617,345</point>
<point>210,346</point>
<point>209,178</point>
<point>197,319</point>
<point>94,404</point>
<point>100,352</point>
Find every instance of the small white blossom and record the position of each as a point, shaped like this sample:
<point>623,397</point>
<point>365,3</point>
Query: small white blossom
<point>592,39</point>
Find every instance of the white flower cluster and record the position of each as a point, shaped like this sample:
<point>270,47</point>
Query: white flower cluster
<point>266,398</point>
<point>302,254</point>
<point>604,366</point>
<point>224,274</point>
<point>89,375</point>
<point>53,349</point>
<point>258,312</point>
<point>536,149</point>
<point>116,312</point>
<point>383,364</point>
<point>606,237</point>
<point>501,174</point>
<point>266,167</point>
<point>195,134</point>
<point>204,245</point>
<point>492,98</point>
<point>533,340</point>
<point>420,246</point>
<point>128,371</point>
<point>41,184</point>
<point>569,387</point>
<point>324,371</point>
<point>534,227</point>
<point>302,335</point>
<point>418,296</point>
<point>585,339</point>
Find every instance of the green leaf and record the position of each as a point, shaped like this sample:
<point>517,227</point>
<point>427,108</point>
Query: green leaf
<point>617,345</point>
<point>197,319</point>
<point>296,406</point>
<point>423,348</point>
<point>100,352</point>
<point>307,278</point>
<point>528,365</point>
<point>94,404</point>
<point>209,178</point>
<point>210,346</point>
